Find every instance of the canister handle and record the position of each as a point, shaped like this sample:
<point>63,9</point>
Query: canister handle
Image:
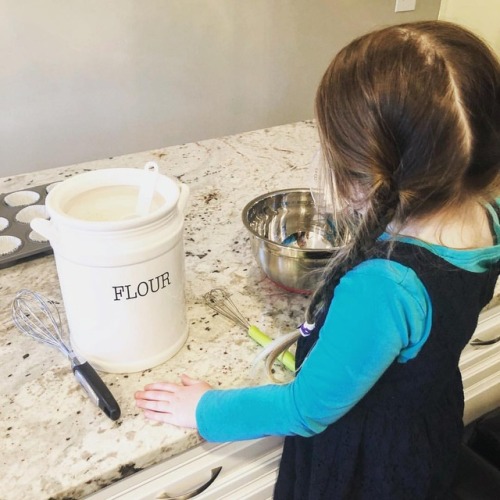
<point>44,227</point>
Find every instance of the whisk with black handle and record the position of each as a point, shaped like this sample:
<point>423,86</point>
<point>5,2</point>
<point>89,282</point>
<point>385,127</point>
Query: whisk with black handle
<point>40,319</point>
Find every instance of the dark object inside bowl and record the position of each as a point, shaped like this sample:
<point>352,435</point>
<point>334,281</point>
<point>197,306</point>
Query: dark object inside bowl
<point>292,240</point>
<point>308,239</point>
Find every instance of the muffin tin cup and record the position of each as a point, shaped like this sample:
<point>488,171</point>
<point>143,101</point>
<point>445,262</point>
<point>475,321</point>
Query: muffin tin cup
<point>18,241</point>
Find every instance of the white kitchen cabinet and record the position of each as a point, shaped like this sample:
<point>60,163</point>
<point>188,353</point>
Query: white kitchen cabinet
<point>480,367</point>
<point>249,468</point>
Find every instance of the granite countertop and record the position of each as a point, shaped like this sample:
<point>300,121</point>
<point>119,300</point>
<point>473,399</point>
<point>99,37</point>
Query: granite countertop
<point>55,443</point>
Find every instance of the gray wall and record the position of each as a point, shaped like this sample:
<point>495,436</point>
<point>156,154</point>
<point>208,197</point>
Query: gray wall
<point>87,79</point>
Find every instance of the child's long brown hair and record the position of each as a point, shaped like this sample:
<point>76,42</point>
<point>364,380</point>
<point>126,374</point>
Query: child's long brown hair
<point>409,116</point>
<point>409,123</point>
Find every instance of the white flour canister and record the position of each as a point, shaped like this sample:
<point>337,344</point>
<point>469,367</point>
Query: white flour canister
<point>118,246</point>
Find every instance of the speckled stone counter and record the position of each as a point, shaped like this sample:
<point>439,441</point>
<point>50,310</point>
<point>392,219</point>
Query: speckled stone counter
<point>55,443</point>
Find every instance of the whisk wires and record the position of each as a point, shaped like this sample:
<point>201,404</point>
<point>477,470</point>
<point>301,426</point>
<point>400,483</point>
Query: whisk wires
<point>220,301</point>
<point>39,319</point>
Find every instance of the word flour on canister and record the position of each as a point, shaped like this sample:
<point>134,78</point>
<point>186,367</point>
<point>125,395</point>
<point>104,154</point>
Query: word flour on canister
<point>121,269</point>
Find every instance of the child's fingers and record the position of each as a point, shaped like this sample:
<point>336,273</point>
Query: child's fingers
<point>154,405</point>
<point>162,386</point>
<point>153,395</point>
<point>172,403</point>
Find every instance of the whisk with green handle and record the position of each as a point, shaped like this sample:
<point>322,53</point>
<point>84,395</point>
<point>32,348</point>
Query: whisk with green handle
<point>220,301</point>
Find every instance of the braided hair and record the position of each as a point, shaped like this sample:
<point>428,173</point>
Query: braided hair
<point>409,125</point>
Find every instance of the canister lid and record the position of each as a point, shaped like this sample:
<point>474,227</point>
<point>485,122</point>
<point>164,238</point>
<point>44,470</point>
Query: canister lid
<point>108,199</point>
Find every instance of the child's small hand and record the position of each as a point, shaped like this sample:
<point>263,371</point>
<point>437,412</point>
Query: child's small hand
<point>172,403</point>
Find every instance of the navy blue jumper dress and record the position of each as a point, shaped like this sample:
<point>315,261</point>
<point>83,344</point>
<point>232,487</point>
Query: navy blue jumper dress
<point>401,440</point>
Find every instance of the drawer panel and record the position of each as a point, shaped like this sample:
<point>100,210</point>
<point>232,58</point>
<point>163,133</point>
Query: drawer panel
<point>241,464</point>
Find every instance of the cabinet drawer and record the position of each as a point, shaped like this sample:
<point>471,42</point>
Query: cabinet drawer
<point>480,367</point>
<point>243,470</point>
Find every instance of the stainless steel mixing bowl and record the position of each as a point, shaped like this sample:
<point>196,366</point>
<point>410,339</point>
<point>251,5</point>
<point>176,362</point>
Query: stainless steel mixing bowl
<point>291,239</point>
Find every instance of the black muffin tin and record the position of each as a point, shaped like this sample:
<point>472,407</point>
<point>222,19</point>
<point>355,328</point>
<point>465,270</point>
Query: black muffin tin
<point>18,241</point>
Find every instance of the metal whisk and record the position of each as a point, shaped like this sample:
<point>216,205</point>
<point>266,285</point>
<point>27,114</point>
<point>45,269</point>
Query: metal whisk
<point>40,319</point>
<point>220,301</point>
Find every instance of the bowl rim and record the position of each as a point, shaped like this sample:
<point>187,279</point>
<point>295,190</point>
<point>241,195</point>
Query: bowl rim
<point>317,252</point>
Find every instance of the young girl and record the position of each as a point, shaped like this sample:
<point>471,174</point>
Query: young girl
<point>409,121</point>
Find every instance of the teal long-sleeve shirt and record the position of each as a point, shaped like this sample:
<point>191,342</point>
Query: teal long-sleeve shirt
<point>381,312</point>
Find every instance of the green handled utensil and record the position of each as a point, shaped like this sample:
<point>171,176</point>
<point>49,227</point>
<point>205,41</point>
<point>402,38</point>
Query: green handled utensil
<point>220,301</point>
